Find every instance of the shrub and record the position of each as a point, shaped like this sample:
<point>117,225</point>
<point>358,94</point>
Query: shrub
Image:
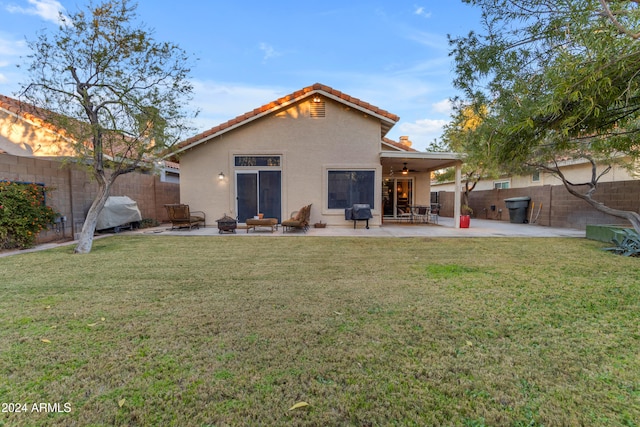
<point>23,214</point>
<point>148,222</point>
<point>627,243</point>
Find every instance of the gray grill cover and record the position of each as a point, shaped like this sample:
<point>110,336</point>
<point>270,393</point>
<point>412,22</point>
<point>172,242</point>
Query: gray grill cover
<point>358,211</point>
<point>118,210</point>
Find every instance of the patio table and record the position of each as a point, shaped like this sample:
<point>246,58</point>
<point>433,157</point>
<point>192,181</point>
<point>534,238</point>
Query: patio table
<point>264,222</point>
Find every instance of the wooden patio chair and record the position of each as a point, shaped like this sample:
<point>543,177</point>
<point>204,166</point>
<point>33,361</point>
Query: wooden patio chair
<point>299,219</point>
<point>181,216</point>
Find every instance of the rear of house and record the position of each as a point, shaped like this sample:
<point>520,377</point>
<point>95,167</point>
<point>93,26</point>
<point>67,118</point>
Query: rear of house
<point>315,146</point>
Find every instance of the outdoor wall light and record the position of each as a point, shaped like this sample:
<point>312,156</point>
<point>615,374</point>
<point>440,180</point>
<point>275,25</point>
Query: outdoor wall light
<point>405,170</point>
<point>317,99</point>
<point>220,176</point>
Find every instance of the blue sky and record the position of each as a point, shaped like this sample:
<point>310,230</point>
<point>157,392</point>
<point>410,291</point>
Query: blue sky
<point>392,54</point>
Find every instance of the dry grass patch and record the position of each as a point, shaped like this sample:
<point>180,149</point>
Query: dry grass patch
<point>196,331</point>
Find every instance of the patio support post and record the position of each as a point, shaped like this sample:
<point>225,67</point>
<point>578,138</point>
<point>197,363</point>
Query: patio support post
<point>456,203</point>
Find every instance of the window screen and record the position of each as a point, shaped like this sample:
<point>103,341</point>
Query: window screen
<point>346,188</point>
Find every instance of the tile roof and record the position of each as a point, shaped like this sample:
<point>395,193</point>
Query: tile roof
<point>46,119</point>
<point>285,101</point>
<point>398,145</point>
<point>29,112</point>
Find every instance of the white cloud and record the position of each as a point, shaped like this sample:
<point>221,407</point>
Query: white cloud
<point>422,132</point>
<point>442,107</point>
<point>11,47</point>
<point>424,126</point>
<point>10,52</point>
<point>421,12</point>
<point>49,10</point>
<point>437,41</point>
<point>269,51</point>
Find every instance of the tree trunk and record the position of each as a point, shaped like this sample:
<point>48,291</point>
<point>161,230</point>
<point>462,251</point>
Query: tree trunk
<point>85,242</point>
<point>632,217</point>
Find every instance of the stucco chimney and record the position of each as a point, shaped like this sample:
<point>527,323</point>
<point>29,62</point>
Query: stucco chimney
<point>404,140</point>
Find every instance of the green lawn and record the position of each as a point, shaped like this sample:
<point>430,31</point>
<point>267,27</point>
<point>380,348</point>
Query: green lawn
<point>203,331</point>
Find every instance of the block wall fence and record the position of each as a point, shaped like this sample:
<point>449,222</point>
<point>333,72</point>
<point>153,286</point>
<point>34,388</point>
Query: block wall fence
<point>73,190</point>
<point>553,205</point>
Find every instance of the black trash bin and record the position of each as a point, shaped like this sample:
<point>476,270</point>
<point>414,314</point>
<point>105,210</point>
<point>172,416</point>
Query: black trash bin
<point>518,209</point>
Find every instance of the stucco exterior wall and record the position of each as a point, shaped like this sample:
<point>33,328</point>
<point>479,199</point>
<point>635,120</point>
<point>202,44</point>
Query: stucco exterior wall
<point>576,172</point>
<point>309,147</point>
<point>423,188</point>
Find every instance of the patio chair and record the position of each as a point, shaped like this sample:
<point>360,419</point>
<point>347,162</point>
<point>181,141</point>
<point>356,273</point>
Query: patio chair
<point>299,219</point>
<point>421,214</point>
<point>434,211</point>
<point>181,216</point>
<point>401,215</point>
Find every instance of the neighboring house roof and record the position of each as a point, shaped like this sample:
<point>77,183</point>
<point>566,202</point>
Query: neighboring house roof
<point>15,139</point>
<point>172,165</point>
<point>49,140</point>
<point>31,113</point>
<point>387,119</point>
<point>22,109</point>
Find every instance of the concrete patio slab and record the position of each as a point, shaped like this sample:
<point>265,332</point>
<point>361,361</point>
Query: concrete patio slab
<point>444,228</point>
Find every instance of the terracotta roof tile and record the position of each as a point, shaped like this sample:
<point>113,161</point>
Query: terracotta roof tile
<point>29,112</point>
<point>283,101</point>
<point>398,145</point>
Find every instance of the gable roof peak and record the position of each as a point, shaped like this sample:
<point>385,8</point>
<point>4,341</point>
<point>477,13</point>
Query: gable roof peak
<point>387,119</point>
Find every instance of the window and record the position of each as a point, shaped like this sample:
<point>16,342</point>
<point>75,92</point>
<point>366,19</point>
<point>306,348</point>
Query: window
<point>501,184</point>
<point>348,187</point>
<point>535,177</point>
<point>257,160</point>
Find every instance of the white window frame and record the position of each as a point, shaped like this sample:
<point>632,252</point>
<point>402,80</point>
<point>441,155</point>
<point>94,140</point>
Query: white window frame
<point>500,185</point>
<point>536,176</point>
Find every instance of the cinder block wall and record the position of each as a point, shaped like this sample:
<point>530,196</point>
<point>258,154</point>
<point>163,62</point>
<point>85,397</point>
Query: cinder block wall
<point>73,190</point>
<point>553,205</point>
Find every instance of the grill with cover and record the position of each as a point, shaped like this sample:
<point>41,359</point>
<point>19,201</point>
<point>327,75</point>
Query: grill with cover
<point>358,212</point>
<point>119,212</point>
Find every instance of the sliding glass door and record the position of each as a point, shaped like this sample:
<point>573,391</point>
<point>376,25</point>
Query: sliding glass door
<point>397,196</point>
<point>259,192</point>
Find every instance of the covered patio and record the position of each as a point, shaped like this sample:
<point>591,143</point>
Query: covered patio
<point>406,182</point>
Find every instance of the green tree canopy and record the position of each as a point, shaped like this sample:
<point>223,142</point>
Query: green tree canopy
<point>561,79</point>
<point>465,134</point>
<point>117,92</point>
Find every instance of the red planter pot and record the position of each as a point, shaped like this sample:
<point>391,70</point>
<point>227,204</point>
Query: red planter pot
<point>465,220</point>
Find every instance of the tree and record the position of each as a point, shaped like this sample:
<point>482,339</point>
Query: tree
<point>561,78</point>
<point>117,93</point>
<point>464,134</point>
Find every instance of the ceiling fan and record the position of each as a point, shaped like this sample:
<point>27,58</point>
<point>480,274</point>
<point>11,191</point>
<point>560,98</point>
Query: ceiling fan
<point>406,170</point>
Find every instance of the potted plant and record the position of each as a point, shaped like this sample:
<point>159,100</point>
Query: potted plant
<point>465,216</point>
